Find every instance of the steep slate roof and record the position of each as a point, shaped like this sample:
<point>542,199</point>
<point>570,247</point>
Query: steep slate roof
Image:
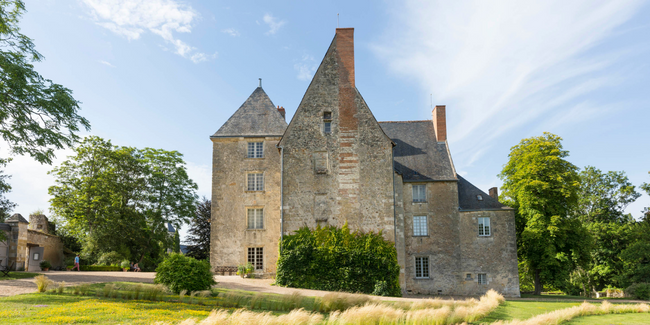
<point>16,218</point>
<point>467,197</point>
<point>417,154</point>
<point>257,116</point>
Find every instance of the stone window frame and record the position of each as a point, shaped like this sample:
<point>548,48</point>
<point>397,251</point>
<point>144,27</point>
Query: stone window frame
<point>481,278</point>
<point>248,218</point>
<point>422,197</point>
<point>256,182</point>
<point>255,151</point>
<point>327,122</point>
<point>421,227</point>
<point>425,272</point>
<point>484,231</point>
<point>255,256</point>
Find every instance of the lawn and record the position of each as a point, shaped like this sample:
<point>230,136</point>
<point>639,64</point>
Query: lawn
<point>18,275</point>
<point>612,319</point>
<point>524,310</point>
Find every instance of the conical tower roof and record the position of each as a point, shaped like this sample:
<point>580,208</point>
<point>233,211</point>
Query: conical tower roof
<point>257,116</point>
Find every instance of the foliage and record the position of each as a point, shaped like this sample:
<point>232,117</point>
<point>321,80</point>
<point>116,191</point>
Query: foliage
<point>336,259</point>
<point>603,197</point>
<point>126,264</point>
<point>636,257</point>
<point>45,264</point>
<point>176,244</point>
<point>198,238</point>
<point>179,272</point>
<point>243,270</point>
<point>37,116</point>
<point>638,291</point>
<point>542,187</point>
<point>120,198</point>
<point>381,289</point>
<point>6,206</point>
<point>110,258</point>
<point>646,211</point>
<point>99,268</point>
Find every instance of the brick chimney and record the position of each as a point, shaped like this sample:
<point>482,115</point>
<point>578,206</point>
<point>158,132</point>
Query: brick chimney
<point>345,48</point>
<point>282,111</point>
<point>494,193</point>
<point>439,123</point>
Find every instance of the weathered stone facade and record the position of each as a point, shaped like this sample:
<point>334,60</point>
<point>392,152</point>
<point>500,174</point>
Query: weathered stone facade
<point>23,236</point>
<point>334,163</point>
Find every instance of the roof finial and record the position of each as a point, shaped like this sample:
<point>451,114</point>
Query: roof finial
<point>337,20</point>
<point>260,82</point>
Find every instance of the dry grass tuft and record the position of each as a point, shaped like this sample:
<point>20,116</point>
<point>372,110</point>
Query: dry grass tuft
<point>42,282</point>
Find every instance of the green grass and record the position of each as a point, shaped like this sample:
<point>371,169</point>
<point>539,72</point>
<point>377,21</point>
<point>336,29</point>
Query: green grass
<point>18,275</point>
<point>612,319</point>
<point>524,310</point>
<point>568,297</point>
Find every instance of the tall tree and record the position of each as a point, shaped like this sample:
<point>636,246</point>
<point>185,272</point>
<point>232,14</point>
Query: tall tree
<point>542,186</point>
<point>199,233</point>
<point>119,198</point>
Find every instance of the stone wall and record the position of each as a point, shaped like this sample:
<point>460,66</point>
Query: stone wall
<point>38,222</point>
<point>494,255</point>
<point>230,237</point>
<point>53,251</point>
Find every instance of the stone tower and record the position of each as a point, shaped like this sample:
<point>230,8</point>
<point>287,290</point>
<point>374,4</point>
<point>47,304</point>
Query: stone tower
<point>245,224</point>
<point>337,161</point>
<point>38,222</point>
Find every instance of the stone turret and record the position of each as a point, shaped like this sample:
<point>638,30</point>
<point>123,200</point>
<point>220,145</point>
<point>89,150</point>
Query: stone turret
<point>38,222</point>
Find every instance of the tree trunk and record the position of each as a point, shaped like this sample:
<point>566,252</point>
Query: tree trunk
<point>538,283</point>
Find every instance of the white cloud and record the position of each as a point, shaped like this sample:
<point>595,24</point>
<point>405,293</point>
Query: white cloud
<point>231,31</point>
<point>131,18</point>
<point>306,68</point>
<point>274,23</point>
<point>106,63</point>
<point>501,65</point>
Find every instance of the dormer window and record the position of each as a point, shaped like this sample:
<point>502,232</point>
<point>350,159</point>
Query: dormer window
<point>479,197</point>
<point>327,122</point>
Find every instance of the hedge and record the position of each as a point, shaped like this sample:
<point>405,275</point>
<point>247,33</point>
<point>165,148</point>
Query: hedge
<point>336,259</point>
<point>99,268</point>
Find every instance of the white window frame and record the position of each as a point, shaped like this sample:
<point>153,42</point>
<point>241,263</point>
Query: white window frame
<point>419,193</point>
<point>420,227</point>
<point>482,278</point>
<point>255,182</point>
<point>422,267</point>
<point>255,150</point>
<point>484,227</point>
<point>255,218</point>
<point>255,256</point>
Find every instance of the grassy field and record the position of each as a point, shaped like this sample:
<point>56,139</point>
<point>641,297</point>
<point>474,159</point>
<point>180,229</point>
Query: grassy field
<point>115,304</point>
<point>18,275</point>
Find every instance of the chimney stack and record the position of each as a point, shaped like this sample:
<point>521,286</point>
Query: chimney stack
<point>494,193</point>
<point>439,123</point>
<point>345,48</point>
<point>282,111</point>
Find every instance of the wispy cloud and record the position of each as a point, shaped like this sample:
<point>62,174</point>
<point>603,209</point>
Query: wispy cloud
<point>306,68</point>
<point>131,18</point>
<point>502,65</point>
<point>106,63</point>
<point>231,31</point>
<point>274,23</point>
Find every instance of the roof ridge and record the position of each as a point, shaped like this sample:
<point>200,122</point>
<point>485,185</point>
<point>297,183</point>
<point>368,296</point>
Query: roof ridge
<point>413,121</point>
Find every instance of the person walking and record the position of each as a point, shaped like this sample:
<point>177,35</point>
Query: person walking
<point>76,263</point>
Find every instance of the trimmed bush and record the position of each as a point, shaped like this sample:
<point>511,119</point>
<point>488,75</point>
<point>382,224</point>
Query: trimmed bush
<point>335,259</point>
<point>179,272</point>
<point>639,291</point>
<point>125,264</point>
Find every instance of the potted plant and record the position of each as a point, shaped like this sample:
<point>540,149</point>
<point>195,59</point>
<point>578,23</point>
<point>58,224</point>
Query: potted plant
<point>45,265</point>
<point>245,270</point>
<point>125,265</point>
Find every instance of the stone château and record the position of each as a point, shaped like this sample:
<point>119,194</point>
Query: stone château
<point>335,163</point>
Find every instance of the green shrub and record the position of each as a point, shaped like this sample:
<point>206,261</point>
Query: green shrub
<point>245,269</point>
<point>110,258</point>
<point>179,272</point>
<point>335,259</point>
<point>45,264</point>
<point>99,268</point>
<point>638,291</point>
<point>125,264</point>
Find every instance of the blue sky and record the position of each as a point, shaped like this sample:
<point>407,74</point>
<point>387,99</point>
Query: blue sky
<point>167,74</point>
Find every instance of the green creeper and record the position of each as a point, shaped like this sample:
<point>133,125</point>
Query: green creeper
<point>542,187</point>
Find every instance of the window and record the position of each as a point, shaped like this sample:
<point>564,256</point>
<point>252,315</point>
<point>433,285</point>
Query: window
<point>421,267</point>
<point>255,182</point>
<point>420,226</point>
<point>482,278</point>
<point>468,277</point>
<point>255,218</point>
<point>255,150</point>
<point>479,197</point>
<point>36,256</point>
<point>419,193</point>
<point>483,226</point>
<point>255,257</point>
<point>327,122</point>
